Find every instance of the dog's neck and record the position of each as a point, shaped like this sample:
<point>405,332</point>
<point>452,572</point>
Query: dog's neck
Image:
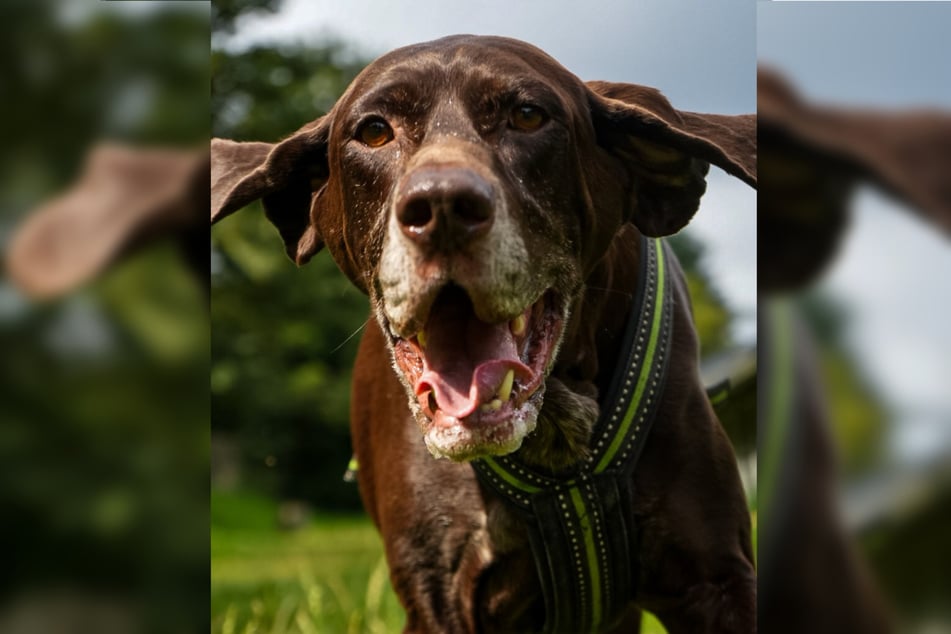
<point>587,360</point>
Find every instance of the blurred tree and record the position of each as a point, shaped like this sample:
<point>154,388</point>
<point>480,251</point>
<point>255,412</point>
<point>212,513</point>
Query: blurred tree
<point>224,13</point>
<point>283,343</point>
<point>907,546</point>
<point>110,76</point>
<point>266,93</point>
<point>710,313</point>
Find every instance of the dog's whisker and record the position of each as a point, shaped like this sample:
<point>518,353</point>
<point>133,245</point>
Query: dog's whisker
<point>603,289</point>
<point>352,335</point>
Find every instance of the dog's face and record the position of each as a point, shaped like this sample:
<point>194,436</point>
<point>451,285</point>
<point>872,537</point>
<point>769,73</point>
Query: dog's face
<point>457,166</point>
<point>468,185</point>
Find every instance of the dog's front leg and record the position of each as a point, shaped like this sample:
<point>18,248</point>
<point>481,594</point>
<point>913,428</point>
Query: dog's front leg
<point>725,607</point>
<point>697,573</point>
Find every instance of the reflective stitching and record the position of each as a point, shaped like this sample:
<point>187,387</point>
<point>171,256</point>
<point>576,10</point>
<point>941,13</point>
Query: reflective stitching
<point>636,403</point>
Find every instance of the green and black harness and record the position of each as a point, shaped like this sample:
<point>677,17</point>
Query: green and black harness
<point>581,527</point>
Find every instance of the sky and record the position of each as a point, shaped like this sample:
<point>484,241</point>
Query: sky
<point>700,55</point>
<point>665,44</point>
<point>893,269</point>
<point>890,54</point>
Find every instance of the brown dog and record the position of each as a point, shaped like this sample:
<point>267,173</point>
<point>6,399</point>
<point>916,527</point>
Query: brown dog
<point>494,208</point>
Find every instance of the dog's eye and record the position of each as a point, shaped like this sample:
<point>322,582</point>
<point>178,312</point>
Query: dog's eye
<point>375,133</point>
<point>527,118</point>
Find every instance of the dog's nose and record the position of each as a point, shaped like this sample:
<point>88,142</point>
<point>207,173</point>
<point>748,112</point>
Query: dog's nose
<point>443,208</point>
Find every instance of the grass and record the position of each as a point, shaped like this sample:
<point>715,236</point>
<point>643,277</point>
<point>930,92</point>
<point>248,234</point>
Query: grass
<point>329,576</point>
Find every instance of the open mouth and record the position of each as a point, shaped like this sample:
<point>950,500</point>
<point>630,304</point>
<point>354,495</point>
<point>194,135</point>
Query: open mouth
<point>479,385</point>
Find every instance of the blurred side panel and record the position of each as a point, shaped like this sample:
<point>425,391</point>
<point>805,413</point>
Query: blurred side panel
<point>104,409</point>
<point>854,216</point>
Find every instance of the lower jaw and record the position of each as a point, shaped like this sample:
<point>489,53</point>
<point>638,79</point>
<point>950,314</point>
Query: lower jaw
<point>461,442</point>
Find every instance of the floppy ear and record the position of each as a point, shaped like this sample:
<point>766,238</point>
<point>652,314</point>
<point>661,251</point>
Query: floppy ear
<point>667,152</point>
<point>125,199</point>
<point>812,156</point>
<point>283,175</point>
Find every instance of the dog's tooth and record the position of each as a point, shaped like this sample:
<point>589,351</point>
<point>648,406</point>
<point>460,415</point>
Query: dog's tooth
<point>492,406</point>
<point>421,338</point>
<point>518,325</point>
<point>505,390</point>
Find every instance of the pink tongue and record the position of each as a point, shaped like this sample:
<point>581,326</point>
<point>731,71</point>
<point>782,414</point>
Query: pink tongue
<point>465,360</point>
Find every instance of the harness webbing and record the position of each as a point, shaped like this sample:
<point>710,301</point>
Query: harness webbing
<point>580,526</point>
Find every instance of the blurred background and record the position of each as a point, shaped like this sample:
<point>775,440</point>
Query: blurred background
<point>291,548</point>
<point>855,175</point>
<point>103,392</point>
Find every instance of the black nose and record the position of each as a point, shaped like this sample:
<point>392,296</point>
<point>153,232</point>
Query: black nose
<point>444,208</point>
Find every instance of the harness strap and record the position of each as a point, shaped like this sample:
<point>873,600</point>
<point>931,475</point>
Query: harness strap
<point>580,539</point>
<point>580,527</point>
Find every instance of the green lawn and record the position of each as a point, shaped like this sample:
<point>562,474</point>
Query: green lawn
<point>329,576</point>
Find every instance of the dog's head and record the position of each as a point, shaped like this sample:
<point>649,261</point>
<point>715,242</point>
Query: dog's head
<point>469,185</point>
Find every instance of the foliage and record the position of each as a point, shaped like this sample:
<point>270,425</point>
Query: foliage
<point>263,94</point>
<point>104,445</point>
<point>109,76</point>
<point>224,13</point>
<point>283,345</point>
<point>710,314</point>
<point>909,550</point>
